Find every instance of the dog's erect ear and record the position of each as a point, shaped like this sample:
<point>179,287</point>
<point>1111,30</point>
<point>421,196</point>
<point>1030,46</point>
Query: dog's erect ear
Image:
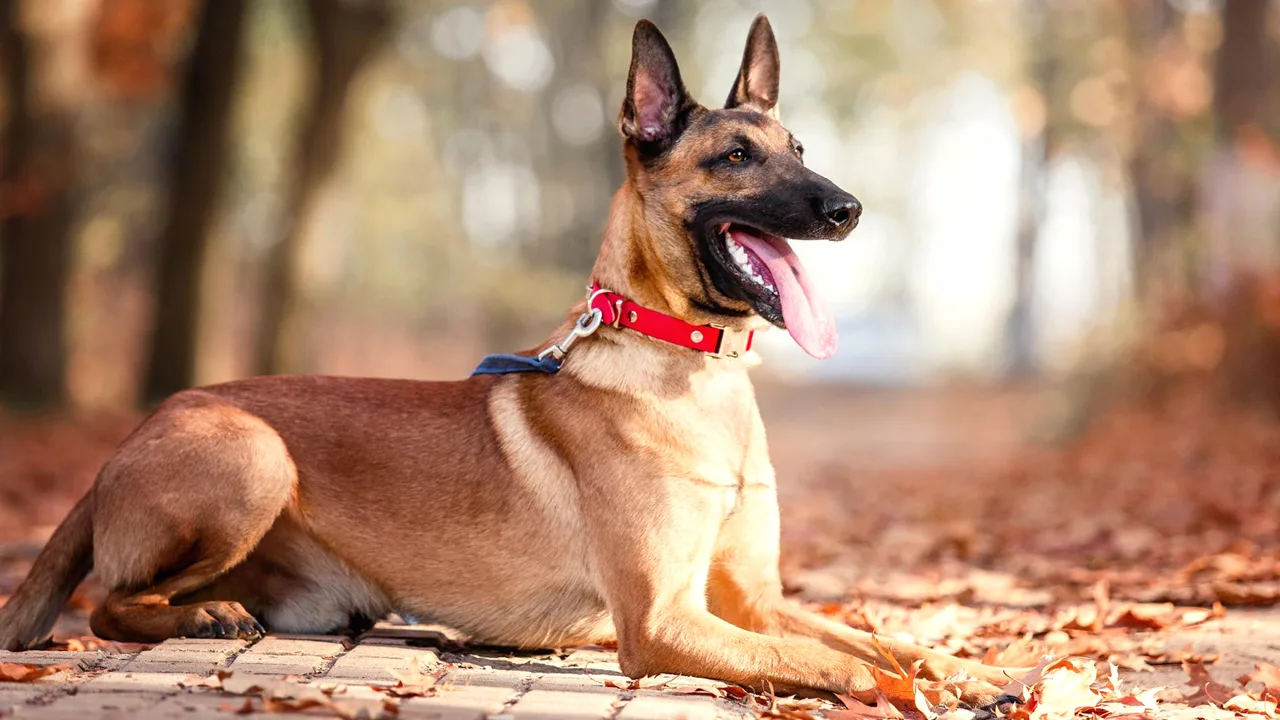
<point>657,104</point>
<point>757,85</point>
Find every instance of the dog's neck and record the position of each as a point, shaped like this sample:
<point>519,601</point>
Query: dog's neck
<point>629,264</point>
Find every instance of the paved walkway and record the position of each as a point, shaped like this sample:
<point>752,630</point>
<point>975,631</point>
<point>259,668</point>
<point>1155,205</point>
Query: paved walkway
<point>402,671</point>
<point>396,674</point>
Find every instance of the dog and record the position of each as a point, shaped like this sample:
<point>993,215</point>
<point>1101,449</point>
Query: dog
<point>613,487</point>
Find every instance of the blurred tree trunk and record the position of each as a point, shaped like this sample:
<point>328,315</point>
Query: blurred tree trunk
<point>195,189</point>
<point>1036,152</point>
<point>345,34</point>
<point>39,181</point>
<point>1241,206</point>
<point>1164,189</point>
<point>1245,68</point>
<point>1241,222</point>
<point>591,170</point>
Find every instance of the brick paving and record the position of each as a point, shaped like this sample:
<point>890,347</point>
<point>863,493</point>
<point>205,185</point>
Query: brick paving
<point>331,676</point>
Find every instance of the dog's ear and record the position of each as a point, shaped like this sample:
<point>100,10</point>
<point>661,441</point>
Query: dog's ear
<point>657,105</point>
<point>757,85</point>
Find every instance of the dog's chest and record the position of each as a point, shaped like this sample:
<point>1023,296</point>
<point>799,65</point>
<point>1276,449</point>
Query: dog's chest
<point>711,434</point>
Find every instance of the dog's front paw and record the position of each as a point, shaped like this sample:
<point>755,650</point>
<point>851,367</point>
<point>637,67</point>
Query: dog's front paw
<point>985,697</point>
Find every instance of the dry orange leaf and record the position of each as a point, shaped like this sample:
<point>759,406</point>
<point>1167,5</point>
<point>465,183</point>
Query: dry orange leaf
<point>26,672</point>
<point>89,643</point>
<point>856,709</point>
<point>900,685</point>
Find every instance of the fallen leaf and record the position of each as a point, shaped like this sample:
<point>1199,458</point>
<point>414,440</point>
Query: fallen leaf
<point>1127,705</point>
<point>1253,594</point>
<point>1020,687</point>
<point>213,682</point>
<point>732,691</point>
<point>287,705</point>
<point>1102,599</point>
<point>279,695</point>
<point>89,643</point>
<point>1208,690</point>
<point>1246,704</point>
<point>1145,616</point>
<point>416,683</point>
<point>1065,687</point>
<point>645,683</point>
<point>855,708</point>
<point>708,691</point>
<point>26,672</point>
<point>1020,653</point>
<point>1270,678</point>
<point>900,686</point>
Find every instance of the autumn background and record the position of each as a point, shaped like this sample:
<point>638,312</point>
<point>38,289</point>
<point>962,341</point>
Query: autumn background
<point>1060,317</point>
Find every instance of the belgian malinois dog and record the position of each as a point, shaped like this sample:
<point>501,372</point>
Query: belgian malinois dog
<point>627,497</point>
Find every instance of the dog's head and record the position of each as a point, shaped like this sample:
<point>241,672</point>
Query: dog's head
<point>722,189</point>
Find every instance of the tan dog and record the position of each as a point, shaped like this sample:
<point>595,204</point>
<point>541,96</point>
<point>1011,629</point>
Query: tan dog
<point>627,497</point>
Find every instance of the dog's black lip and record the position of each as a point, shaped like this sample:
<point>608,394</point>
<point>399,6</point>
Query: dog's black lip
<point>765,303</point>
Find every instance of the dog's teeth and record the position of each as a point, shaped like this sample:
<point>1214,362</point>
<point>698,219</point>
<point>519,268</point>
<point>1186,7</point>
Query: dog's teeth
<point>742,259</point>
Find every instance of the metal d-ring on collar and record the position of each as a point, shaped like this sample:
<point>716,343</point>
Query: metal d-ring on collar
<point>586,325</point>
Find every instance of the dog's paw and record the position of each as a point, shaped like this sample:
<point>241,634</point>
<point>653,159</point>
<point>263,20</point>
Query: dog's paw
<point>983,697</point>
<point>221,620</point>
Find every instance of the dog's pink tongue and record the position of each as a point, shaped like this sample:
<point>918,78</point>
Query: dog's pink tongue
<point>806,315</point>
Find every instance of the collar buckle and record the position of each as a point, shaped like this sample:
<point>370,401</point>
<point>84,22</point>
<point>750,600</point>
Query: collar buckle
<point>733,343</point>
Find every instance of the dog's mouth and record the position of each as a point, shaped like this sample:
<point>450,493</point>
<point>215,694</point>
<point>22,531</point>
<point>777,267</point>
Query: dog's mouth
<point>773,281</point>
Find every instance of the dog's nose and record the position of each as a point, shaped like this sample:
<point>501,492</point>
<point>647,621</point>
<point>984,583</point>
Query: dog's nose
<point>842,210</point>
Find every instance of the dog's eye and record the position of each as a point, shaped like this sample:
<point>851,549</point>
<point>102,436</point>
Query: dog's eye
<point>737,156</point>
<point>799,151</point>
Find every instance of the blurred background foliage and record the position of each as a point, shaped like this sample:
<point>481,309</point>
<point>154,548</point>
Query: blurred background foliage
<point>1056,190</point>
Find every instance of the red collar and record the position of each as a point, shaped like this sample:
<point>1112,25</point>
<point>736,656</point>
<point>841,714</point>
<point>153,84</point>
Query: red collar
<point>715,340</point>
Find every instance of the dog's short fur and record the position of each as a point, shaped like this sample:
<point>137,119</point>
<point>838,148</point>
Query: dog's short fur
<point>628,497</point>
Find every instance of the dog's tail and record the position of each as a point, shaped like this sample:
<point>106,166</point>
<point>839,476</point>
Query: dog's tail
<point>68,556</point>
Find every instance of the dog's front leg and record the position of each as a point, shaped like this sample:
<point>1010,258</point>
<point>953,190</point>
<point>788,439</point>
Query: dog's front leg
<point>652,553</point>
<point>745,588</point>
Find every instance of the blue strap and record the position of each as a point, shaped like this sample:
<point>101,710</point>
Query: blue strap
<point>503,364</point>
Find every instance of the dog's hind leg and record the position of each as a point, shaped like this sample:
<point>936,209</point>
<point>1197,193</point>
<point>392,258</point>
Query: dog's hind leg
<point>186,498</point>
<point>146,615</point>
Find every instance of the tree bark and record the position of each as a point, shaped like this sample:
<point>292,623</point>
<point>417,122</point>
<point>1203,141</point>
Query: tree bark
<point>1164,196</point>
<point>199,164</point>
<point>1244,69</point>
<point>1036,154</point>
<point>38,181</point>
<point>1241,220</point>
<point>345,35</point>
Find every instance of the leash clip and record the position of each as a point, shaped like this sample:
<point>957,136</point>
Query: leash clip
<point>586,325</point>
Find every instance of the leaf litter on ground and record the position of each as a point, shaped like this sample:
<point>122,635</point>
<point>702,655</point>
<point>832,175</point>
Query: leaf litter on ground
<point>27,672</point>
<point>290,694</point>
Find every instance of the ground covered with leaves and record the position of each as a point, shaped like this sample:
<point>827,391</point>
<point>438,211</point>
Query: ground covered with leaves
<point>935,517</point>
